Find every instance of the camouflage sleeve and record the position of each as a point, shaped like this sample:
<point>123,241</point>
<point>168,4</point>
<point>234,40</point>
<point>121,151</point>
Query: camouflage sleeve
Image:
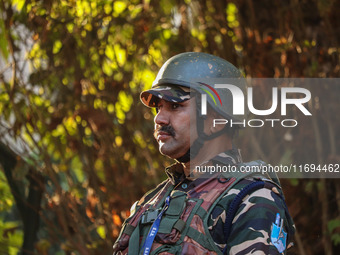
<point>259,226</point>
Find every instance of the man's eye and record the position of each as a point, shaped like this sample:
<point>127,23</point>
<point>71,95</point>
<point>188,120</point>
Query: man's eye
<point>175,106</point>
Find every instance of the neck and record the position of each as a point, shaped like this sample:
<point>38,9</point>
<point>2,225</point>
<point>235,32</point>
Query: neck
<point>210,149</point>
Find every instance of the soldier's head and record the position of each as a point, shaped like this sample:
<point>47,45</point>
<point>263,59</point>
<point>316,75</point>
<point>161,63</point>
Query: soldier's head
<point>186,101</point>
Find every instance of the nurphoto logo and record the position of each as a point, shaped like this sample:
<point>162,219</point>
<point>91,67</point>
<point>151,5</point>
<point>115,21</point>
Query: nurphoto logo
<point>288,97</point>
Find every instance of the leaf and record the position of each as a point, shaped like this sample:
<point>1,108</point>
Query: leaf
<point>101,232</point>
<point>333,224</point>
<point>3,41</point>
<point>118,7</point>
<point>57,46</point>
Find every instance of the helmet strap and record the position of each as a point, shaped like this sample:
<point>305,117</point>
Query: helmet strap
<point>185,158</point>
<point>197,145</point>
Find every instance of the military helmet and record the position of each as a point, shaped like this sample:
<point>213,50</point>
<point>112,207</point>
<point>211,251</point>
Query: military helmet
<point>198,72</point>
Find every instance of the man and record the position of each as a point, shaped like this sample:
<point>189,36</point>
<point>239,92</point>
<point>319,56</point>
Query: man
<point>202,212</point>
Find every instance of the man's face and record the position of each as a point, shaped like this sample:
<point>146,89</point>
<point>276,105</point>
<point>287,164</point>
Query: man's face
<point>172,127</point>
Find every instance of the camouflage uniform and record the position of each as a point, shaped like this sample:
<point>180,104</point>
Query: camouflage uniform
<point>252,226</point>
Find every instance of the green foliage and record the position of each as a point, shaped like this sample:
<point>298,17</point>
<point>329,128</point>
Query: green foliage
<point>11,235</point>
<point>70,88</point>
<point>6,201</point>
<point>87,65</point>
<point>335,235</point>
<point>3,42</point>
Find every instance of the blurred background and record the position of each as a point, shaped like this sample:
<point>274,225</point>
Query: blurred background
<point>76,144</point>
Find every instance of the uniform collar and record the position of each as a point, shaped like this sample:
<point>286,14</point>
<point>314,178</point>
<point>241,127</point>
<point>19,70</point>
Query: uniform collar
<point>230,157</point>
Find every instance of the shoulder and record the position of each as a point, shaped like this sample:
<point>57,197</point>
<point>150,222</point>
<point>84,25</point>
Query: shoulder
<point>252,217</point>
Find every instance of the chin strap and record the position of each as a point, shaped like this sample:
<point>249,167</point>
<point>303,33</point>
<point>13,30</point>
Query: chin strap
<point>197,145</point>
<point>185,158</point>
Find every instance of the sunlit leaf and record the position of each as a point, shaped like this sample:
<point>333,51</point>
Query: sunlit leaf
<point>118,141</point>
<point>3,41</point>
<point>18,4</point>
<point>101,232</point>
<point>57,46</point>
<point>120,54</point>
<point>118,7</point>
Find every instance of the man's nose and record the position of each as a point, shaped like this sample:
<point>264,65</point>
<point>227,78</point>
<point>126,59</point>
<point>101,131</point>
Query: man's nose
<point>162,118</point>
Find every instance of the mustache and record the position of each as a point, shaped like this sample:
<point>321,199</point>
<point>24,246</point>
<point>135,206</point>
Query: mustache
<point>168,129</point>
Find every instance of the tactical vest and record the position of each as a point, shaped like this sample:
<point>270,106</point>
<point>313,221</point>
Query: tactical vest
<point>183,228</point>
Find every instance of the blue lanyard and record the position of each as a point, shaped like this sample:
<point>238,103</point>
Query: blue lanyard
<point>154,229</point>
